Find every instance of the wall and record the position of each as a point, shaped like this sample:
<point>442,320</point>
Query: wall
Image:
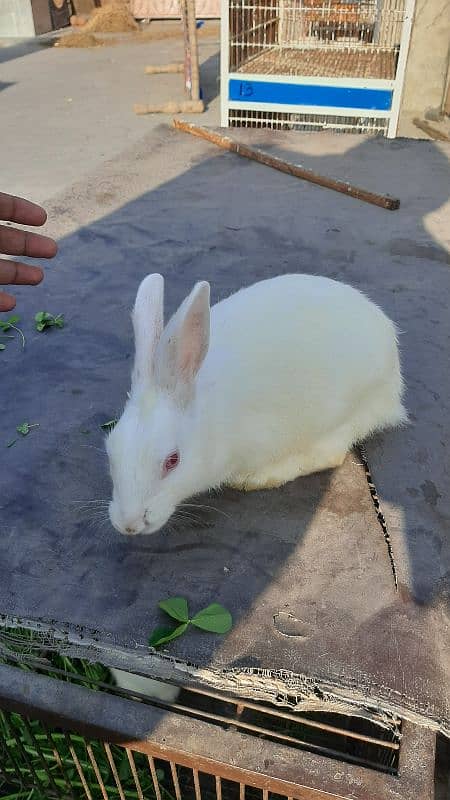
<point>427,66</point>
<point>16,18</point>
<point>160,9</point>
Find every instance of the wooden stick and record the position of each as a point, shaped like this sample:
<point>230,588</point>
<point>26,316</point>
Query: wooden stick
<point>164,69</point>
<point>193,45</point>
<point>390,203</point>
<point>433,132</point>
<point>185,107</point>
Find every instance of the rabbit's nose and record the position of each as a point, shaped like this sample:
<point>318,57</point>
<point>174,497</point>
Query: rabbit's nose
<point>125,523</point>
<point>136,526</point>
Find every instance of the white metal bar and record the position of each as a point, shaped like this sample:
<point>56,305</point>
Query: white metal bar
<point>331,47</point>
<point>401,67</point>
<point>281,23</point>
<point>298,8</point>
<point>377,25</point>
<point>318,110</point>
<point>351,83</point>
<point>224,62</point>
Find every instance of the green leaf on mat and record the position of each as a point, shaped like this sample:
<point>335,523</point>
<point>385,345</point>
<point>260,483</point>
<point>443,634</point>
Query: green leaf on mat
<point>162,635</point>
<point>175,607</point>
<point>159,633</point>
<point>10,324</point>
<point>6,324</point>
<point>45,320</point>
<point>25,427</point>
<point>215,618</point>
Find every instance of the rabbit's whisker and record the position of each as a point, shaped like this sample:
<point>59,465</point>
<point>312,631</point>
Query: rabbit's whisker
<point>207,508</point>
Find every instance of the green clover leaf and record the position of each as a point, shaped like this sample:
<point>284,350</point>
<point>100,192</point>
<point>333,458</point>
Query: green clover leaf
<point>162,634</point>
<point>175,607</point>
<point>215,618</point>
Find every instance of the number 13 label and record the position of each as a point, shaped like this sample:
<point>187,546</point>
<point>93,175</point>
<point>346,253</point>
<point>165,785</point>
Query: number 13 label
<point>246,89</point>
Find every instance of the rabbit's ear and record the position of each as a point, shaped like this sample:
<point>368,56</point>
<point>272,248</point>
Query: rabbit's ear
<point>185,341</point>
<point>148,323</point>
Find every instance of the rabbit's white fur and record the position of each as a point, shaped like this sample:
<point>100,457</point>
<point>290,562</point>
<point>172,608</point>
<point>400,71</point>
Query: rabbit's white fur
<point>293,371</point>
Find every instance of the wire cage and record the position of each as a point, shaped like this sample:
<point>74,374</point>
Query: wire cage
<point>340,62</point>
<point>66,731</point>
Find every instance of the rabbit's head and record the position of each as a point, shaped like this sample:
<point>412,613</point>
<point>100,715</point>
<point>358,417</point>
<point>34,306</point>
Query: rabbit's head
<point>151,450</point>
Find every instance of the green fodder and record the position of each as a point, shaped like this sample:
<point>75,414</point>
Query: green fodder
<point>41,763</point>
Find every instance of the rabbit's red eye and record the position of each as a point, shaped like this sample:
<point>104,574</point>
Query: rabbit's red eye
<point>171,462</point>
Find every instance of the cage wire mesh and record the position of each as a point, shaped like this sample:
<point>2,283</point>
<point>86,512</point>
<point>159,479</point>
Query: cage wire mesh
<point>286,121</point>
<point>330,38</point>
<point>39,763</point>
<point>43,764</point>
<point>63,765</point>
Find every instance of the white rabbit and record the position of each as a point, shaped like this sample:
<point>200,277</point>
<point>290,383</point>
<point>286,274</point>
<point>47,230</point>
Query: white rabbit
<point>293,372</point>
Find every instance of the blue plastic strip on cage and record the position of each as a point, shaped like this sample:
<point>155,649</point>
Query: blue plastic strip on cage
<point>310,95</point>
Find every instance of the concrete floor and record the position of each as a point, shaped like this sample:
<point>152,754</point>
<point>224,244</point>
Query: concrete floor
<point>65,111</point>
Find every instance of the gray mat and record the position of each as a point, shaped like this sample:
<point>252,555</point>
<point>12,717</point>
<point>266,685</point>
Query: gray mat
<point>304,569</point>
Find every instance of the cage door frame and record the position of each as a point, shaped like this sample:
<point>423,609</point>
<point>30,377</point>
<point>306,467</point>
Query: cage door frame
<point>400,73</point>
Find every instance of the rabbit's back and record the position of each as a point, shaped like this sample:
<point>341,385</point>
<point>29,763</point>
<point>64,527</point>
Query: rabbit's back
<point>296,356</point>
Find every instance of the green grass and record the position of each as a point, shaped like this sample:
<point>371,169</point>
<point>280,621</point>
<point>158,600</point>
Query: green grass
<point>35,763</point>
<point>38,765</point>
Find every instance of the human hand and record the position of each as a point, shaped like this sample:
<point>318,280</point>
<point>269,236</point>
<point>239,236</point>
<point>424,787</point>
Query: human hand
<point>15,242</point>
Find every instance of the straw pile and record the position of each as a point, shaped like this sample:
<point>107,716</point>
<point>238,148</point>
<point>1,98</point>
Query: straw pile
<point>112,18</point>
<point>79,40</point>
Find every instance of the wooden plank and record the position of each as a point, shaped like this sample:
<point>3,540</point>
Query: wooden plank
<point>430,130</point>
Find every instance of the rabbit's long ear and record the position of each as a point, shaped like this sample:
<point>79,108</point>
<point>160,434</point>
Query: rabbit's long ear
<point>148,323</point>
<point>184,343</point>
